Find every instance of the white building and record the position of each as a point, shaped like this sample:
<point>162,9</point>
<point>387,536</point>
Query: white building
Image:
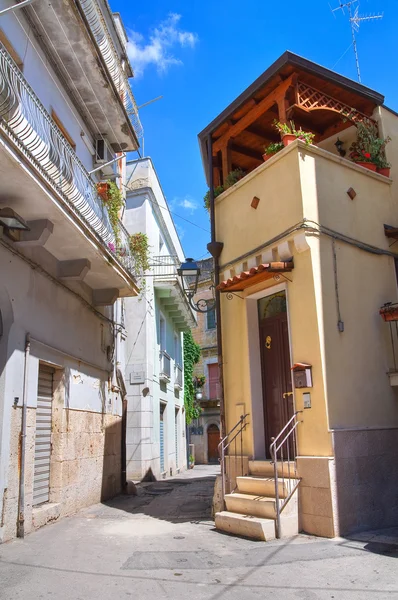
<point>63,93</point>
<point>155,322</point>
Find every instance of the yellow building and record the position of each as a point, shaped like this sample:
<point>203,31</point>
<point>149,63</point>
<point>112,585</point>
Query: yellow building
<point>305,266</point>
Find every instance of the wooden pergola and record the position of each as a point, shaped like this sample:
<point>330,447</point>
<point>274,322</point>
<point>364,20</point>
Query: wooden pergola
<point>317,99</point>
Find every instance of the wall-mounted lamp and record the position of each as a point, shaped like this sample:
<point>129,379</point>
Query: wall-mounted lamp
<point>189,268</point>
<point>339,146</point>
<point>12,220</point>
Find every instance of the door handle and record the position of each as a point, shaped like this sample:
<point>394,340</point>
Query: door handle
<point>286,394</point>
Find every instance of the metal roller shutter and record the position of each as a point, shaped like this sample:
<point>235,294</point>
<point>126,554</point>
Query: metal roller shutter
<point>161,437</point>
<point>41,480</point>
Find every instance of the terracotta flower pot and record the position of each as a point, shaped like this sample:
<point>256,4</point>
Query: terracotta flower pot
<point>367,165</point>
<point>103,189</point>
<point>267,157</point>
<point>389,313</point>
<point>384,171</point>
<point>288,138</point>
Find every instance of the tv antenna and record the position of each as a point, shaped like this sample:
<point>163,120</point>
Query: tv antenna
<point>355,20</point>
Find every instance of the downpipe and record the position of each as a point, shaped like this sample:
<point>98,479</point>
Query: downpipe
<point>21,495</point>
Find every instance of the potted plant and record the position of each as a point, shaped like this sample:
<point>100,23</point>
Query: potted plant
<point>389,311</point>
<point>103,189</point>
<point>233,177</point>
<point>191,461</point>
<point>368,150</point>
<point>199,381</point>
<point>272,149</point>
<point>289,133</point>
<point>206,198</point>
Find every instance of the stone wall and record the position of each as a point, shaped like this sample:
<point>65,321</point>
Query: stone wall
<point>85,465</point>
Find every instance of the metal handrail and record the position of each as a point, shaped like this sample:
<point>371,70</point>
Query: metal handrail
<point>279,443</point>
<point>223,446</point>
<point>105,43</point>
<point>28,125</point>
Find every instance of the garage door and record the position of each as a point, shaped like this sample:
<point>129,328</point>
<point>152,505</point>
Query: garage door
<point>41,480</point>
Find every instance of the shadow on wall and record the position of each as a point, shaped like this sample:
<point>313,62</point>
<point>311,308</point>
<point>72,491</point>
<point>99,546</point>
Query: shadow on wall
<point>366,479</point>
<point>112,461</point>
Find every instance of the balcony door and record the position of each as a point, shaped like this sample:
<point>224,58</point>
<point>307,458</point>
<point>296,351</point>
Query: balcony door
<point>275,366</point>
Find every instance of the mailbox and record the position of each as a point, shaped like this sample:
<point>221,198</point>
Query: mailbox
<point>302,375</point>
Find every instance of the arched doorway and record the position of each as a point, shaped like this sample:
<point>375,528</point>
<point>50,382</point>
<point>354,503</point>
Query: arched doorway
<point>213,439</point>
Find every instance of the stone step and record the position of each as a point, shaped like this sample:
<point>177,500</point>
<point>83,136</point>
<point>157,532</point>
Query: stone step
<point>264,486</point>
<point>248,504</point>
<point>265,468</point>
<point>245,525</point>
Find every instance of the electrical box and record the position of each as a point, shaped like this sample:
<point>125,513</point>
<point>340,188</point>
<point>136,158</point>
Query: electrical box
<point>302,375</point>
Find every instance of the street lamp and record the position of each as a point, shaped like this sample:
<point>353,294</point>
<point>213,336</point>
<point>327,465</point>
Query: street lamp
<point>12,220</point>
<point>189,273</point>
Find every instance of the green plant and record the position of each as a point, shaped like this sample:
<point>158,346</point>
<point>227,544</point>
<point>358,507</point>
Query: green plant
<point>139,248</point>
<point>368,146</point>
<point>113,202</point>
<point>284,129</point>
<point>191,459</point>
<point>273,148</point>
<point>191,358</point>
<point>199,381</point>
<point>206,198</point>
<point>233,177</point>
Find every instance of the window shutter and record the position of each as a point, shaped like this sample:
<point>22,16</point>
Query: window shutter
<point>213,381</point>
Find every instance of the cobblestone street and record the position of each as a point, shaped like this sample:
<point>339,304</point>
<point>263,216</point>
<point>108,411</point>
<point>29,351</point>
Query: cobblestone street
<point>162,543</point>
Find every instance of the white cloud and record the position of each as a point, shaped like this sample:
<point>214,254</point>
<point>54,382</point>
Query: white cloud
<point>188,204</point>
<point>158,50</point>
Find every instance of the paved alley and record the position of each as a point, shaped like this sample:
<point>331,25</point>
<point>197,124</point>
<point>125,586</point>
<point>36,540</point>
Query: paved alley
<point>162,544</point>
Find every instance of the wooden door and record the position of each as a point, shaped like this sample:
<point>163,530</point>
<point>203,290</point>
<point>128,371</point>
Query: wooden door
<point>213,439</point>
<point>276,376</point>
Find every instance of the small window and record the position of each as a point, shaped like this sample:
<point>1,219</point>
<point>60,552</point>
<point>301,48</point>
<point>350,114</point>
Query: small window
<point>213,378</point>
<point>10,49</point>
<point>62,129</point>
<point>211,319</point>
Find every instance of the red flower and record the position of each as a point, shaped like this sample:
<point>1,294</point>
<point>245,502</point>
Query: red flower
<point>366,154</point>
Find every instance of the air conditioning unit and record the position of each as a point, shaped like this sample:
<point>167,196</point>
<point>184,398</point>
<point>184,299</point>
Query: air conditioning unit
<point>104,154</point>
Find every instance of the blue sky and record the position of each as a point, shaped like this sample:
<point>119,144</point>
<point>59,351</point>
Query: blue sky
<point>200,55</point>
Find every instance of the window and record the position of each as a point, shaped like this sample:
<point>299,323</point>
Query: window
<point>62,129</point>
<point>213,379</point>
<point>211,319</point>
<point>162,333</point>
<point>177,353</point>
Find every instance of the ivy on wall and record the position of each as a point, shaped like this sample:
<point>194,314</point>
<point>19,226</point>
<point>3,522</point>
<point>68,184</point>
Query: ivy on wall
<point>191,357</point>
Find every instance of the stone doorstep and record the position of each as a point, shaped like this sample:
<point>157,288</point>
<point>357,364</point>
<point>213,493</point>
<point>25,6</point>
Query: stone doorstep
<point>45,513</point>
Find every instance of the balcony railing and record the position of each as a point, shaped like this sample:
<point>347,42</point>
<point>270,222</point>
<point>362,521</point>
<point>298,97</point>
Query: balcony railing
<point>103,38</point>
<point>165,366</point>
<point>164,267</point>
<point>178,376</point>
<point>26,122</point>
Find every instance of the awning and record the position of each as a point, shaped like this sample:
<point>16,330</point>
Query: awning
<point>255,275</point>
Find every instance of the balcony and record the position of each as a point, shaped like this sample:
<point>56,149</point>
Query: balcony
<point>51,190</point>
<point>165,367</point>
<point>169,292</point>
<point>178,377</point>
<point>79,46</point>
<point>302,191</point>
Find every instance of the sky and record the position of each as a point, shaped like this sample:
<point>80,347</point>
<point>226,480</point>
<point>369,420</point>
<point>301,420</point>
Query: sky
<point>201,54</point>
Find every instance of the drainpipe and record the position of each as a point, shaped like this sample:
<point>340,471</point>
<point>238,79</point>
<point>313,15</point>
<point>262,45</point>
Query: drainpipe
<point>21,497</point>
<point>215,249</point>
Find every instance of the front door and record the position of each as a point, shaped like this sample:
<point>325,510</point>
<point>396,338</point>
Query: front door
<point>213,439</point>
<point>275,366</point>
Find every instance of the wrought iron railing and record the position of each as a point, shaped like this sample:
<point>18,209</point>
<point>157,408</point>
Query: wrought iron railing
<point>105,43</point>
<point>235,437</point>
<point>164,267</point>
<point>283,450</point>
<point>165,365</point>
<point>26,122</point>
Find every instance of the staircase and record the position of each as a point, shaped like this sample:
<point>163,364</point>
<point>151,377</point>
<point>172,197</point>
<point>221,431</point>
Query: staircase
<point>263,505</point>
<point>251,508</point>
